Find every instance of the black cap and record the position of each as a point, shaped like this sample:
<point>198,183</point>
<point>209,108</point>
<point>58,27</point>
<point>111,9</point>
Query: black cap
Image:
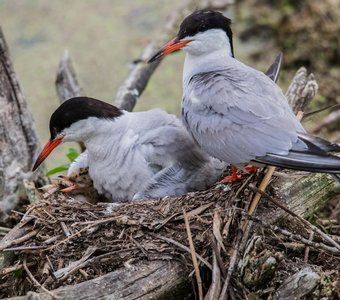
<point>80,108</point>
<point>203,20</point>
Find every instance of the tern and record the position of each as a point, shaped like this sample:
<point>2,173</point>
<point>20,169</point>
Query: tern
<point>234,112</point>
<point>131,155</point>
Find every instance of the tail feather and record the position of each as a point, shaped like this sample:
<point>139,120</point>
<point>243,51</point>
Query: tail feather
<point>303,161</point>
<point>319,142</point>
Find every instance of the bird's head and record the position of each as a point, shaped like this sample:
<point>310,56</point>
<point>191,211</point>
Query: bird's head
<point>75,120</point>
<point>202,32</point>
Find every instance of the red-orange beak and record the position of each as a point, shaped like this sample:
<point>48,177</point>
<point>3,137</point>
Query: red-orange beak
<point>49,147</point>
<point>168,48</point>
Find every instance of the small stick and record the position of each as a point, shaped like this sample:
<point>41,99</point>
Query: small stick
<point>4,230</point>
<point>36,282</point>
<point>65,229</point>
<point>311,235</point>
<point>22,248</point>
<point>179,245</point>
<point>193,256</point>
<point>20,240</point>
<point>232,262</point>
<point>15,268</point>
<point>302,220</point>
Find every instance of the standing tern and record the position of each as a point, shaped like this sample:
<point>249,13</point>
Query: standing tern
<point>132,155</point>
<point>234,112</point>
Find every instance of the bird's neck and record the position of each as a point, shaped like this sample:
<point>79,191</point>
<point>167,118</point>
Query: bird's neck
<point>207,62</point>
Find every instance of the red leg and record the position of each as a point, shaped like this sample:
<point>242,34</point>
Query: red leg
<point>69,189</point>
<point>233,177</point>
<point>250,168</point>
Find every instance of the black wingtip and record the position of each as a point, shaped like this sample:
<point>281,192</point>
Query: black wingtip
<point>273,71</point>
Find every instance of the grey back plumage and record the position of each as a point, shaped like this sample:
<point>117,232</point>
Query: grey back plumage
<point>235,114</point>
<point>148,153</point>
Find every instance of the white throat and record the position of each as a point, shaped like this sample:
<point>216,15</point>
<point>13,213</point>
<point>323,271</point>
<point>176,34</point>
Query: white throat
<point>206,51</point>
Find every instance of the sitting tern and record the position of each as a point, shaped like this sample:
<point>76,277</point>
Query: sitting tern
<point>234,112</point>
<point>131,155</point>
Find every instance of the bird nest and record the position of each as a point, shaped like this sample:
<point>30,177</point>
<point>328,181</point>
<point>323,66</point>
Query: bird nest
<point>63,241</point>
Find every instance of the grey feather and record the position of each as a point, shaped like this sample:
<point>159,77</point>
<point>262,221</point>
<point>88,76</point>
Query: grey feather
<point>238,114</point>
<point>241,107</point>
<point>146,153</point>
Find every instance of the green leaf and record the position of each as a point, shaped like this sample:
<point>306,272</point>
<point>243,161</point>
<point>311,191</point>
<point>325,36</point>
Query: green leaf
<point>72,154</point>
<point>59,169</point>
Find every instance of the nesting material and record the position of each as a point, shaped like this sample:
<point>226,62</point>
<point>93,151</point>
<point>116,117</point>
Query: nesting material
<point>67,241</point>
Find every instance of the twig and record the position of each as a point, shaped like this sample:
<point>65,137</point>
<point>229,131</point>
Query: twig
<point>4,230</point>
<point>311,235</point>
<point>215,287</point>
<point>95,223</point>
<point>263,185</point>
<point>63,273</point>
<point>15,268</point>
<point>36,282</point>
<point>193,256</point>
<point>296,237</point>
<point>179,245</point>
<point>302,220</point>
<point>65,229</point>
<point>218,258</point>
<point>232,263</point>
<point>331,118</point>
<point>19,240</point>
<point>22,248</point>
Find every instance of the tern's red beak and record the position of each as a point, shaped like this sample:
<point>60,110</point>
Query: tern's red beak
<point>168,48</point>
<point>49,147</point>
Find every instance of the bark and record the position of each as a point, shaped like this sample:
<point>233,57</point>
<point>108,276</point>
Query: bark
<point>299,285</point>
<point>67,84</point>
<point>142,281</point>
<point>18,137</point>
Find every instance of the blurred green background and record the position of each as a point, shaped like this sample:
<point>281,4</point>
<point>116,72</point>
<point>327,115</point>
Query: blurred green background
<point>104,36</point>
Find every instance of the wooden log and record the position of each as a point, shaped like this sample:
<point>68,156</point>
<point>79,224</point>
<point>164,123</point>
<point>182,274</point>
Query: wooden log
<point>18,136</point>
<point>298,285</point>
<point>151,280</point>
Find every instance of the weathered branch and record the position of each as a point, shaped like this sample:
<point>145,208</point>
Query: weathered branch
<point>140,72</point>
<point>18,136</point>
<point>302,90</point>
<point>67,84</point>
<point>332,118</point>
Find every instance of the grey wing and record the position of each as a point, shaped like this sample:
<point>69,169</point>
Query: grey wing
<point>166,142</point>
<point>178,180</point>
<point>239,114</point>
<point>182,165</point>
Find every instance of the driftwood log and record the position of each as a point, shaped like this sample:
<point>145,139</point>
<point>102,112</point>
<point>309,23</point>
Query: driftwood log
<point>164,277</point>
